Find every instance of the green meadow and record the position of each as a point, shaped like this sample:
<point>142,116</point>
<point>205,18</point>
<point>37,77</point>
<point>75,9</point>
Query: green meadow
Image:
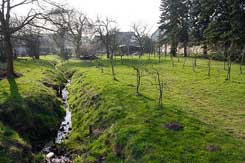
<point>201,119</point>
<point>112,123</point>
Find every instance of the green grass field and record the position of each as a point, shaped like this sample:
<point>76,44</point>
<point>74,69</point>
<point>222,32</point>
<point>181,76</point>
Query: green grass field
<point>112,123</point>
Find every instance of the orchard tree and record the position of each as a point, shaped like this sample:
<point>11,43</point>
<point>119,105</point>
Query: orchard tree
<point>113,48</point>
<point>138,78</point>
<point>140,36</point>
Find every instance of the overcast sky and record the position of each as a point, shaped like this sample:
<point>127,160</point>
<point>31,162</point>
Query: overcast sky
<point>125,12</point>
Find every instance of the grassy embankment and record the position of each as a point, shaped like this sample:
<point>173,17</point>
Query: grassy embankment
<point>30,112</point>
<point>111,123</point>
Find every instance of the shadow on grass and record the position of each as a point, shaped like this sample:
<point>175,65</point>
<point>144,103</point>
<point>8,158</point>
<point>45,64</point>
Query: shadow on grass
<point>144,97</point>
<point>14,90</point>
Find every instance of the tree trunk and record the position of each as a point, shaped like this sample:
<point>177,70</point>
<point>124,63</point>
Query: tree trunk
<point>166,50</point>
<point>128,50</point>
<point>172,60</point>
<point>209,67</point>
<point>173,51</point>
<point>122,59</point>
<point>225,57</point>
<point>241,63</point>
<point>62,52</point>
<point>205,51</point>
<point>185,59</point>
<point>154,51</point>
<point>112,67</point>
<point>160,85</point>
<point>228,77</point>
<point>108,52</point>
<point>141,51</point>
<point>9,53</point>
<point>174,48</point>
<point>77,51</point>
<point>194,64</point>
<point>37,49</point>
<point>37,57</point>
<point>230,52</point>
<point>185,50</point>
<point>138,81</point>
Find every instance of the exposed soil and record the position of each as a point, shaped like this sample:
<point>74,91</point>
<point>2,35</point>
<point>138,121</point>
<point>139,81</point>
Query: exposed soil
<point>213,148</point>
<point>174,126</point>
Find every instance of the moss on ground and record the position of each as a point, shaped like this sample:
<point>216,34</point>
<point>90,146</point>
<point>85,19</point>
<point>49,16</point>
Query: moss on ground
<point>111,123</point>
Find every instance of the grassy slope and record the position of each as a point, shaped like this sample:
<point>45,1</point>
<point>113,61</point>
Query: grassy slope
<point>130,127</point>
<point>12,146</point>
<point>30,108</point>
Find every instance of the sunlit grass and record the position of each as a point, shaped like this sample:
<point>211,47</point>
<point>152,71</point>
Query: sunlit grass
<point>211,110</point>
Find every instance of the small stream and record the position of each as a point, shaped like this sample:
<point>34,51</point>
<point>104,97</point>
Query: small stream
<point>52,153</point>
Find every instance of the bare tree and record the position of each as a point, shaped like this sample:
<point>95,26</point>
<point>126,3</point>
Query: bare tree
<point>140,35</point>
<point>79,26</point>
<point>104,28</point>
<point>57,21</point>
<point>160,86</point>
<point>159,83</point>
<point>10,24</point>
<point>138,78</point>
<point>31,38</point>
<point>107,32</point>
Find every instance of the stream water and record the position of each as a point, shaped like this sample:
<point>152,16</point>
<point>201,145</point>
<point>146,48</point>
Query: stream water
<point>52,153</point>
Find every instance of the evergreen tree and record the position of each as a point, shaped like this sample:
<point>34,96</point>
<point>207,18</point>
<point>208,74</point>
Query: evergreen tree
<point>184,25</point>
<point>228,24</point>
<point>174,23</point>
<point>169,22</point>
<point>201,14</point>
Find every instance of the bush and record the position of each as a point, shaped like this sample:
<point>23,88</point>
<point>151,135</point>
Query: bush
<point>218,57</point>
